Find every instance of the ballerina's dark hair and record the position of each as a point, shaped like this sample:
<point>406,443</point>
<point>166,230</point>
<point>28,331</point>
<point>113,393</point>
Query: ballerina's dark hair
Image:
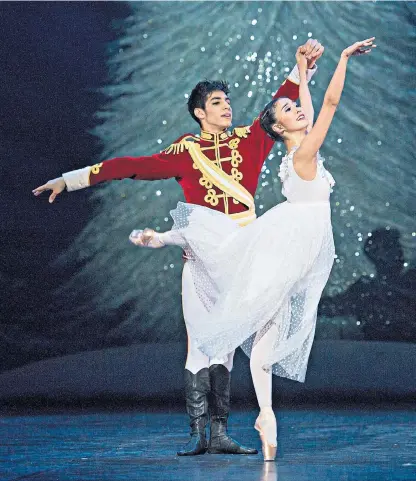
<point>200,93</point>
<point>268,119</point>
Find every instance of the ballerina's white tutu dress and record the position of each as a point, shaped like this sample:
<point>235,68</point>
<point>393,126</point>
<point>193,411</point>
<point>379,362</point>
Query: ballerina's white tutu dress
<point>269,273</point>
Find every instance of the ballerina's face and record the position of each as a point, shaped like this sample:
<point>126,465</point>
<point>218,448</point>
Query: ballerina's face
<point>289,117</point>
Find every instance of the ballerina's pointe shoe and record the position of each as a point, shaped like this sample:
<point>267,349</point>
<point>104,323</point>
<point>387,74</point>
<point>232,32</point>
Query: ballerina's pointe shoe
<point>146,238</point>
<point>267,428</point>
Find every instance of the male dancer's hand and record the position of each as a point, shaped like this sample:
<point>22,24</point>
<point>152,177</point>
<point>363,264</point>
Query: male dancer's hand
<point>313,51</point>
<point>56,186</point>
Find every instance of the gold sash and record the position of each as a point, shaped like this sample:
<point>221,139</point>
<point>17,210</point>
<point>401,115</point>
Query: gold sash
<point>224,182</point>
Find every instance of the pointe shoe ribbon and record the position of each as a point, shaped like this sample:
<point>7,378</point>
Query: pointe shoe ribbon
<point>146,238</point>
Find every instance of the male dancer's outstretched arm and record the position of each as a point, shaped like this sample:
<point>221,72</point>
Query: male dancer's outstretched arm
<point>152,167</point>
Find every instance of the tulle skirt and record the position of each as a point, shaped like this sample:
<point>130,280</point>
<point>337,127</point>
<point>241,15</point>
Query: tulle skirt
<point>271,272</point>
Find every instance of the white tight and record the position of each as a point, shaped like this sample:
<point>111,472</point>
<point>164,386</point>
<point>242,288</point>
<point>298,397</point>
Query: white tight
<point>171,237</point>
<point>262,380</point>
<point>192,308</point>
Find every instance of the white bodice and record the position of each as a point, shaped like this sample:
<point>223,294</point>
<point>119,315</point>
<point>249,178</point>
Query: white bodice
<point>297,190</point>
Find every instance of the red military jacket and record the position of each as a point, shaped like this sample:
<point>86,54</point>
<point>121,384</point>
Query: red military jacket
<point>216,170</point>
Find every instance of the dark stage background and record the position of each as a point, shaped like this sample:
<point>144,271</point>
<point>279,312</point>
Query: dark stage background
<point>82,82</point>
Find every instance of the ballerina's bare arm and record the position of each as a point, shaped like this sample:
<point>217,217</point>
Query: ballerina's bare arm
<point>304,94</point>
<point>306,153</point>
<point>310,52</point>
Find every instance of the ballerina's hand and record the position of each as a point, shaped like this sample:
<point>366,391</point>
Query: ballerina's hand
<point>359,48</point>
<point>301,59</point>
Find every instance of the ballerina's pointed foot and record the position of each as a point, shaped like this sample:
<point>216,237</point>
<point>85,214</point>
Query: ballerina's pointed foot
<point>146,238</point>
<point>267,428</point>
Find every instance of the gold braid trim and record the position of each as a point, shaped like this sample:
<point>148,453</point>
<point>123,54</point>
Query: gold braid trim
<point>95,169</point>
<point>219,179</point>
<point>180,146</point>
<point>242,132</point>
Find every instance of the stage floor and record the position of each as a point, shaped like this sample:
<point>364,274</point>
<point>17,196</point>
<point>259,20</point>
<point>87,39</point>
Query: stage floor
<point>314,445</point>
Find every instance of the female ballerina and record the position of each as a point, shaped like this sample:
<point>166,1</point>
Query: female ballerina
<point>261,284</point>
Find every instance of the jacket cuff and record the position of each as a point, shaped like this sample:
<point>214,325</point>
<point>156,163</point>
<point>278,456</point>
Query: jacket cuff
<point>294,74</point>
<point>77,179</point>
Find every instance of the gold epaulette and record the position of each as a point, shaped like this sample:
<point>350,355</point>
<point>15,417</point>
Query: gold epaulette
<point>242,132</point>
<point>183,144</point>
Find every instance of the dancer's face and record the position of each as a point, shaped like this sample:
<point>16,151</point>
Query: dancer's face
<point>289,117</point>
<point>217,115</point>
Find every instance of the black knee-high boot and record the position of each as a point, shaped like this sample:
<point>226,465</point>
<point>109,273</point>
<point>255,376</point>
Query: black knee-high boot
<point>220,442</point>
<point>197,387</point>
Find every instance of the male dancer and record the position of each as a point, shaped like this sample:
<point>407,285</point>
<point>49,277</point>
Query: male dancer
<point>220,170</point>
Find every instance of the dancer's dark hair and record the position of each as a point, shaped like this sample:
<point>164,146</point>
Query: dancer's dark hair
<point>268,119</point>
<point>200,93</point>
